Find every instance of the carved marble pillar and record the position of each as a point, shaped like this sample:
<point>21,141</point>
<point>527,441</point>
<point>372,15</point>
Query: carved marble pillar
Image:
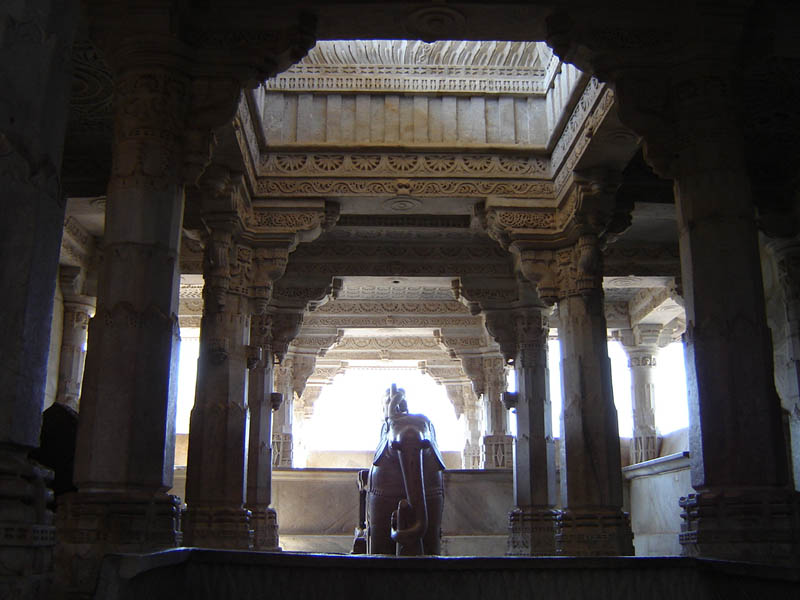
<point>216,476</point>
<point>743,509</point>
<point>497,443</point>
<point>285,327</point>
<point>592,521</point>
<point>466,405</point>
<point>125,447</point>
<point>303,413</point>
<point>786,254</point>
<point>532,522</point>
<point>78,310</point>
<point>282,441</point>
<point>264,519</point>
<point>34,97</point>
<point>641,345</point>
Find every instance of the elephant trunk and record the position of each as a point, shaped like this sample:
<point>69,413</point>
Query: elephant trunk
<point>410,520</point>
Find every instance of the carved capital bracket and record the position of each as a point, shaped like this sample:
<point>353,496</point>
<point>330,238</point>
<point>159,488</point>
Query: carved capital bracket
<point>208,58</point>
<point>261,335</point>
<point>285,327</point>
<point>520,333</point>
<point>501,326</point>
<point>289,222</point>
<point>303,366</point>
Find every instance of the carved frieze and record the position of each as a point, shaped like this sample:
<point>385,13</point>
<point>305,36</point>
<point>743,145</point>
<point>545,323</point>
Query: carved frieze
<point>414,66</point>
<point>427,188</point>
<point>77,245</point>
<point>358,307</point>
<point>394,292</point>
<point>390,320</point>
<point>388,343</point>
<point>417,164</point>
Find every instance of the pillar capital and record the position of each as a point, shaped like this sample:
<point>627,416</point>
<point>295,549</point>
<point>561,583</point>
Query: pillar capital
<point>285,327</point>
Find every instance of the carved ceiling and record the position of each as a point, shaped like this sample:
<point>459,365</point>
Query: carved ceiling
<point>415,203</point>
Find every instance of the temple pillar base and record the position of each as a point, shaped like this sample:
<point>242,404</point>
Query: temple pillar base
<point>498,452</point>
<point>753,525</point>
<point>93,524</point>
<point>594,532</point>
<point>219,527</point>
<point>532,532</point>
<point>27,533</point>
<point>265,529</point>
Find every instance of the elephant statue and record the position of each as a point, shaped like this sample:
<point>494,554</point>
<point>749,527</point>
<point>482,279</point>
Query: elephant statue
<point>405,494</point>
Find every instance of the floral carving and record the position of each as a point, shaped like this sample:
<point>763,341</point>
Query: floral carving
<point>291,162</point>
<point>440,163</point>
<point>403,162</point>
<point>365,162</point>
<point>478,163</point>
<point>328,162</point>
<point>275,219</point>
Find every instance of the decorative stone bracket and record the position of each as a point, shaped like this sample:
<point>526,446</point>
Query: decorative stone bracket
<point>249,245</point>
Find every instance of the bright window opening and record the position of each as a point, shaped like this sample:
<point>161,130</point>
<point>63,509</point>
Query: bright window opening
<point>349,412</point>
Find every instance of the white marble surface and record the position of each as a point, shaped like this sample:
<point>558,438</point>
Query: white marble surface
<point>318,510</point>
<point>655,487</point>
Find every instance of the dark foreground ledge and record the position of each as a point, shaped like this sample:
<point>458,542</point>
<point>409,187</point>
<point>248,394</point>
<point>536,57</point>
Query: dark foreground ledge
<point>199,574</point>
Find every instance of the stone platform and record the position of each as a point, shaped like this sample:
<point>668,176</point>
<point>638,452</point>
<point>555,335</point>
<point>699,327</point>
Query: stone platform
<point>199,574</point>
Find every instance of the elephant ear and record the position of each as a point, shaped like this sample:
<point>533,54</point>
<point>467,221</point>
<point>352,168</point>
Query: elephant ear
<point>435,447</point>
<point>383,445</point>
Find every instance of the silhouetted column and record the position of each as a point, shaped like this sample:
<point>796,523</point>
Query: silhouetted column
<point>216,474</point>
<point>125,449</point>
<point>34,101</point>
<point>592,521</point>
<point>786,254</point>
<point>733,404</point>
<point>532,521</point>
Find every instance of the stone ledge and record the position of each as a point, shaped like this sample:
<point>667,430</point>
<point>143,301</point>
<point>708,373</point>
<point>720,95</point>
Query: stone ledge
<point>197,573</point>
<point>656,466</point>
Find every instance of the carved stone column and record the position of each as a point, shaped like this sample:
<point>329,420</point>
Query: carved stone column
<point>303,413</point>
<point>743,508</point>
<point>497,443</point>
<point>78,309</point>
<point>641,345</point>
<point>466,404</point>
<point>282,440</point>
<point>285,327</point>
<point>786,254</point>
<point>264,519</point>
<point>216,477</point>
<point>532,522</point>
<point>125,447</point>
<point>592,521</point>
<point>34,98</point>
